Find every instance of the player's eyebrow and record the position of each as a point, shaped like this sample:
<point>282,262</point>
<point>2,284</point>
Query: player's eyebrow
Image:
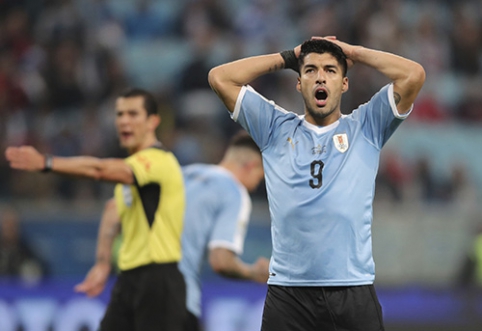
<point>331,66</point>
<point>325,66</point>
<point>309,66</point>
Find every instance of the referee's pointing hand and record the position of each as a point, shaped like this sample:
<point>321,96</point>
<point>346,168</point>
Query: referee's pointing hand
<point>25,158</point>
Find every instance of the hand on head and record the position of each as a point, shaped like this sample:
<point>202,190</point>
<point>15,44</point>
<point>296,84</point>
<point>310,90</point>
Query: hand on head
<point>347,48</point>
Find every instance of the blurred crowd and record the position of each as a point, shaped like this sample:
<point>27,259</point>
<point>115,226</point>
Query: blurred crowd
<point>18,260</point>
<point>63,62</point>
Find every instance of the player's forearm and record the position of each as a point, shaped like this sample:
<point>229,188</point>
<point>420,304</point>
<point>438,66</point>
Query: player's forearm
<point>114,170</point>
<point>227,79</point>
<point>108,230</point>
<point>226,263</point>
<point>236,269</point>
<point>83,166</point>
<point>407,76</point>
<point>399,70</point>
<point>244,71</point>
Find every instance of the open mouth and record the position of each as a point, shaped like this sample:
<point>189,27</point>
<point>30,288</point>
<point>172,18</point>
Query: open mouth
<point>321,94</point>
<point>125,135</point>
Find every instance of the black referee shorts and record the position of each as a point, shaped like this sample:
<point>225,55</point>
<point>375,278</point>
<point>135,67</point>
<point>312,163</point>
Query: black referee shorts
<point>192,323</point>
<point>347,308</point>
<point>148,298</point>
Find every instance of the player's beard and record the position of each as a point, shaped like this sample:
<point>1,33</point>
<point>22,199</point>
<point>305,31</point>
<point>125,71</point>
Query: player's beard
<point>317,115</point>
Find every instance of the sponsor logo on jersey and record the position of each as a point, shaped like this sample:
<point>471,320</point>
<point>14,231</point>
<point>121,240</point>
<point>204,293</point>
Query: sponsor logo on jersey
<point>292,143</point>
<point>341,142</point>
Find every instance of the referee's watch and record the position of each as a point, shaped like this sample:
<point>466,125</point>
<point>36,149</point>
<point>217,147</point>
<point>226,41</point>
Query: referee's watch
<point>48,163</point>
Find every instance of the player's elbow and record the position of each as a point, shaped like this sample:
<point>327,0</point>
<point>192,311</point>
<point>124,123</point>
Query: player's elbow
<point>101,175</point>
<point>93,173</point>
<point>416,77</point>
<point>221,260</point>
<point>219,266</point>
<point>214,78</point>
<point>113,170</point>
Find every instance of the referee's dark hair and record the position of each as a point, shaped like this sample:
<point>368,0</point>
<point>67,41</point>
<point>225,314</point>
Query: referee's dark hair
<point>150,102</point>
<point>243,139</point>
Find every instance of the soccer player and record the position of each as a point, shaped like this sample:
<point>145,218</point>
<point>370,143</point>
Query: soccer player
<point>149,293</point>
<point>320,171</point>
<point>218,208</point>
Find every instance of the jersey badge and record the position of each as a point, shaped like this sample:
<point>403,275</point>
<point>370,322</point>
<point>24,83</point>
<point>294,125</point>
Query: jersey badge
<point>341,142</point>
<point>127,194</point>
<point>145,161</point>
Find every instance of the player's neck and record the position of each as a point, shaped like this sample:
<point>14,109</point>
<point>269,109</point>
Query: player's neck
<point>229,166</point>
<point>148,142</point>
<point>325,121</point>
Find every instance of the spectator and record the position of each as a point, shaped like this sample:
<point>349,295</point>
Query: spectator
<point>17,258</point>
<point>144,23</point>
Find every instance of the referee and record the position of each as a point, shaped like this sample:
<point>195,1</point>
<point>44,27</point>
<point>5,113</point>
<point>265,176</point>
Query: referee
<point>149,293</point>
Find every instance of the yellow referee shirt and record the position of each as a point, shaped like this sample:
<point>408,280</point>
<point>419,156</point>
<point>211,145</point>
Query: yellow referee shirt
<point>151,210</point>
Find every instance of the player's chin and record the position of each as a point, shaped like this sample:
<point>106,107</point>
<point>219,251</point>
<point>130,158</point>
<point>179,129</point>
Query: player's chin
<point>318,112</point>
<point>125,143</point>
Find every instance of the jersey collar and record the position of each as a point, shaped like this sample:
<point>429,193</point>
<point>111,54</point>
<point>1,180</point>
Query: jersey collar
<point>320,129</point>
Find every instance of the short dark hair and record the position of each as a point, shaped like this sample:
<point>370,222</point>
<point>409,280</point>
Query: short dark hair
<point>150,102</point>
<point>243,139</point>
<point>321,46</point>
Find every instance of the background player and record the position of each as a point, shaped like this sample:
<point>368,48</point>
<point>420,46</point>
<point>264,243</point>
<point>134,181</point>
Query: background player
<point>218,208</point>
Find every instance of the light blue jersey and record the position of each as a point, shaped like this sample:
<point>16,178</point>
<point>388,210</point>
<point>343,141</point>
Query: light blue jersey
<point>320,183</point>
<point>217,213</point>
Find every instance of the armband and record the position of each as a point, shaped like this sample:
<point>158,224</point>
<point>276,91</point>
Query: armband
<point>291,61</point>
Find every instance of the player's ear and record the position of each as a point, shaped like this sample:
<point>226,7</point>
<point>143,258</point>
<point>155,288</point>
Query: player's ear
<point>298,85</point>
<point>248,166</point>
<point>154,121</point>
<point>345,86</point>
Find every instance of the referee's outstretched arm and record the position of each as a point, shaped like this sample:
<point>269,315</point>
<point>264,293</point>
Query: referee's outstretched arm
<point>29,159</point>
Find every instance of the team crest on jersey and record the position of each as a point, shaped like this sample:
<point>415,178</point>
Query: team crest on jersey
<point>127,194</point>
<point>341,142</point>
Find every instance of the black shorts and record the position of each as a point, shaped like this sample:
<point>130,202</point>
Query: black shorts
<point>148,298</point>
<point>347,308</point>
<point>192,323</point>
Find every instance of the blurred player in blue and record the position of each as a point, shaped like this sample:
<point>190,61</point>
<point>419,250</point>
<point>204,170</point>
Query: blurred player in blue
<point>218,207</point>
<point>320,171</point>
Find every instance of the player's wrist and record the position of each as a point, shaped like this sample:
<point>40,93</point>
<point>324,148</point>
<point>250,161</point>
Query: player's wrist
<point>48,162</point>
<point>103,261</point>
<point>290,59</point>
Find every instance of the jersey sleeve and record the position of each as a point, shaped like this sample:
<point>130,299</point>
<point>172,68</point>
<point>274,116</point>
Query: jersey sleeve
<point>232,218</point>
<point>258,115</point>
<point>147,166</point>
<point>380,117</point>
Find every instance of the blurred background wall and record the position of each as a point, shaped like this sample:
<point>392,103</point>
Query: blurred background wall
<point>63,62</point>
